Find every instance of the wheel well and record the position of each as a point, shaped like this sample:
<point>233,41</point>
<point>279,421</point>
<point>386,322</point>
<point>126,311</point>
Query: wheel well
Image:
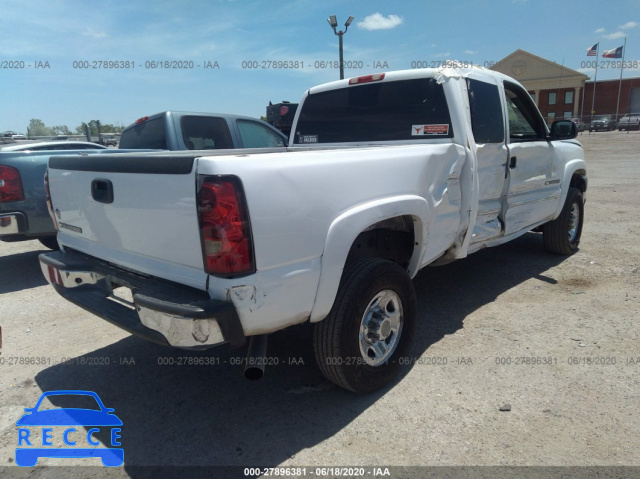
<point>579,180</point>
<point>392,239</point>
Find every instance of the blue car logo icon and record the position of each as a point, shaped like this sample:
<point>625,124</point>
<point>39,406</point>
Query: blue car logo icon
<point>47,419</point>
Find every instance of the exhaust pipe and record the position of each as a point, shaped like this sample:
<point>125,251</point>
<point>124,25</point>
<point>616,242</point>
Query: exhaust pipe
<point>256,358</point>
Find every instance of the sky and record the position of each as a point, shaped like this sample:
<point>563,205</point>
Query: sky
<point>228,56</point>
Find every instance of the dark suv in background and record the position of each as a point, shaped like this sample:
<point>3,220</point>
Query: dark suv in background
<point>603,122</point>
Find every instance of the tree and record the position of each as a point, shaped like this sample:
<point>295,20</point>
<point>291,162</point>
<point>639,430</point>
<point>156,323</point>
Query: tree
<point>104,128</point>
<point>109,128</point>
<point>61,130</point>
<point>80,130</point>
<point>37,128</point>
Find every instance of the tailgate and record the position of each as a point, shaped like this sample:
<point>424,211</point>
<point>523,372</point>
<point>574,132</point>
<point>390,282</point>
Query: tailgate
<point>137,211</point>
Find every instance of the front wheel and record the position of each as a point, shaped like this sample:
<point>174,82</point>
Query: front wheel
<point>562,235</point>
<point>359,345</point>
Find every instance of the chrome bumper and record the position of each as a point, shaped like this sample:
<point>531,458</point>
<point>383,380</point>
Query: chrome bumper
<point>160,311</point>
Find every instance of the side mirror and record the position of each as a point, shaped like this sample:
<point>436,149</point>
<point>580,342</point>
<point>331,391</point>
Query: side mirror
<point>563,130</point>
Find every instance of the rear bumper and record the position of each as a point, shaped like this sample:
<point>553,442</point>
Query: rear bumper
<point>162,312</point>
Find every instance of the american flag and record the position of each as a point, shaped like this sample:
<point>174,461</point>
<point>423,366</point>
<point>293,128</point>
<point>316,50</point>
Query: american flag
<point>592,51</point>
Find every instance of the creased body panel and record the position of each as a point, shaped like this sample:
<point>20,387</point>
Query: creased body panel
<point>295,198</point>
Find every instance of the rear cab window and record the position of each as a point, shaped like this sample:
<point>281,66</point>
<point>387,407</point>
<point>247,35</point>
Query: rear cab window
<point>205,133</point>
<point>148,134</point>
<point>413,109</point>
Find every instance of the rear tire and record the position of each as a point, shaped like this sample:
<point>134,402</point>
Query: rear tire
<point>50,242</point>
<point>358,346</point>
<point>562,235</point>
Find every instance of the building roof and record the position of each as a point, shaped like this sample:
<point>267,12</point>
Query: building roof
<point>537,73</point>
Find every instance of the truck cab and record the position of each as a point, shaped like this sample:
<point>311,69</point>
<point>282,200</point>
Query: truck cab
<point>174,130</point>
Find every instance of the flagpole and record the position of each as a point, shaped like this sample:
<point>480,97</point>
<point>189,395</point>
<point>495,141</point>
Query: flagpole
<point>624,48</point>
<point>595,80</point>
<point>582,106</point>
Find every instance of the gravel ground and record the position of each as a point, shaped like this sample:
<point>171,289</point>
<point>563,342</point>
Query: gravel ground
<point>521,359</point>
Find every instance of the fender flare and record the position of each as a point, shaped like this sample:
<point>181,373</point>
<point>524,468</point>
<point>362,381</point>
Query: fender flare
<point>346,228</point>
<point>571,168</point>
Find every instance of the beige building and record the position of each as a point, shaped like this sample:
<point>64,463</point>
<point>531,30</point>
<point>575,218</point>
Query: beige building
<point>556,89</point>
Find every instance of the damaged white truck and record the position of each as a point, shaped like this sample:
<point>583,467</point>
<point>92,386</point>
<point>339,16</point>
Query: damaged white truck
<point>384,175</point>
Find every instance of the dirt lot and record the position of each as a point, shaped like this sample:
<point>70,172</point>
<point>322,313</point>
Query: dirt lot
<point>557,339</point>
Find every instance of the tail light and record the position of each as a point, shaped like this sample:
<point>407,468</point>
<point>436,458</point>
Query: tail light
<point>47,193</point>
<point>10,185</point>
<point>227,246</point>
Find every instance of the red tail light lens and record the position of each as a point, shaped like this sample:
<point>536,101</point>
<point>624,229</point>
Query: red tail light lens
<point>227,247</point>
<point>10,185</point>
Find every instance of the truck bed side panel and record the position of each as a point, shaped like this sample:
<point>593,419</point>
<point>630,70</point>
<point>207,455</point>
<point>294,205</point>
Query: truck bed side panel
<point>294,198</point>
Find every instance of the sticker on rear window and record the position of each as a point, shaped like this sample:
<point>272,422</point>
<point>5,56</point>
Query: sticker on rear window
<point>308,138</point>
<point>428,130</point>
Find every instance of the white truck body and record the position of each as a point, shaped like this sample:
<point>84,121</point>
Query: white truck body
<point>437,196</point>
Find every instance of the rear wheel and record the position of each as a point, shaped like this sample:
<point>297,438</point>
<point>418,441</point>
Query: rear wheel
<point>562,235</point>
<point>358,346</point>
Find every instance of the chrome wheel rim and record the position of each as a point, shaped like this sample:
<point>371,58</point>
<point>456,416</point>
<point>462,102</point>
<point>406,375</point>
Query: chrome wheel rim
<point>381,327</point>
<point>574,222</point>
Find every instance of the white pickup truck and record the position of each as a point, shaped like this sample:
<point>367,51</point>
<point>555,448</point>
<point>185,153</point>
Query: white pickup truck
<point>384,175</point>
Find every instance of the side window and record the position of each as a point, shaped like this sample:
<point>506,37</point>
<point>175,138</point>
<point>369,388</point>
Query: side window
<point>255,135</point>
<point>50,147</point>
<point>525,122</point>
<point>74,146</point>
<point>487,121</point>
<point>205,133</point>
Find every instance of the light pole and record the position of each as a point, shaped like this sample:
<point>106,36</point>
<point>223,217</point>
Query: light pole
<point>334,23</point>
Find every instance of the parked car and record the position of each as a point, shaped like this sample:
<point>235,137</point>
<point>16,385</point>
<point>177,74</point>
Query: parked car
<point>603,122</point>
<point>631,121</point>
<point>384,175</point>
<point>579,123</point>
<point>109,140</point>
<point>51,146</point>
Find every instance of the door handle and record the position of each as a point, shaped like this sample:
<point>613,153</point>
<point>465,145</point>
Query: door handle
<point>102,191</point>
<point>512,162</point>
